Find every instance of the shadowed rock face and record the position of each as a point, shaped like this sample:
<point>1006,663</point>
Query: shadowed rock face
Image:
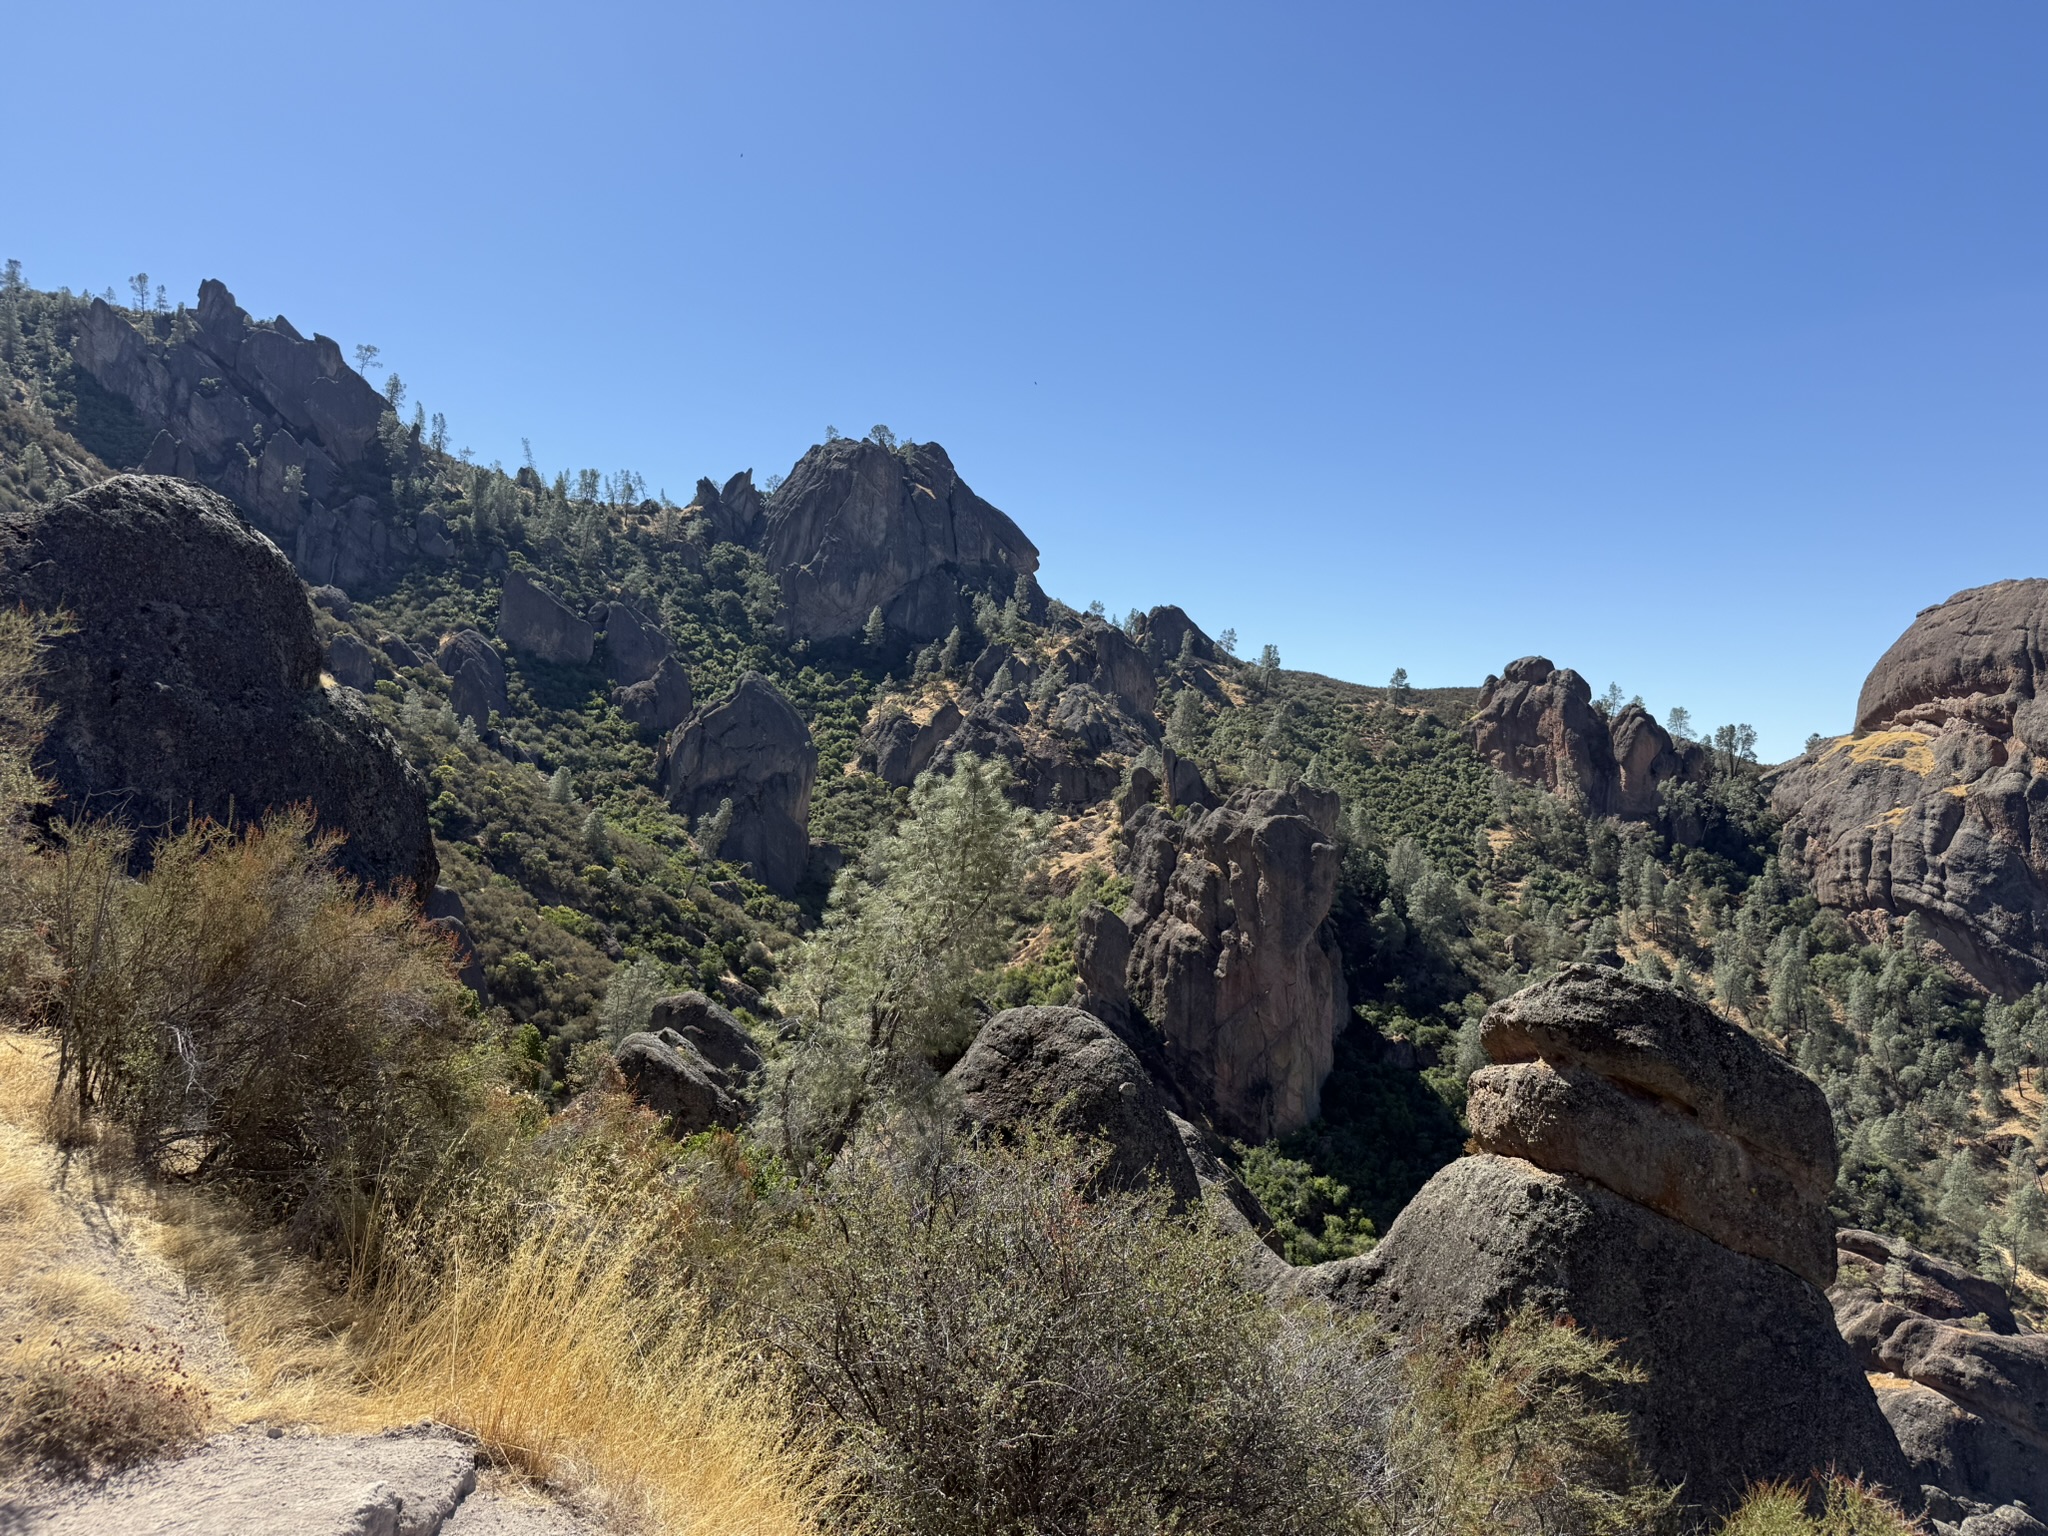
<point>240,403</point>
<point>1228,959</point>
<point>1937,806</point>
<point>476,676</point>
<point>532,620</point>
<point>857,526</point>
<point>191,683</point>
<point>1536,723</point>
<point>656,705</point>
<point>755,750</point>
<point>1659,1177</point>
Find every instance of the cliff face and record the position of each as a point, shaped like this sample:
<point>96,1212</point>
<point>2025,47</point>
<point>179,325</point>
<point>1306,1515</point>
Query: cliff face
<point>1936,807</point>
<point>1536,723</point>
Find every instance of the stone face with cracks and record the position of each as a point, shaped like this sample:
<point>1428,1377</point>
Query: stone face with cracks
<point>753,749</point>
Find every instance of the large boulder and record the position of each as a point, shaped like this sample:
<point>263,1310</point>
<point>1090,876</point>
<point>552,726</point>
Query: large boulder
<point>1747,1379</point>
<point>535,622</point>
<point>657,704</point>
<point>753,749</point>
<point>189,685</point>
<point>1975,1418</point>
<point>1608,1098</point>
<point>476,676</point>
<point>277,423</point>
<point>1936,805</point>
<point>635,647</point>
<point>669,1075</point>
<point>1536,723</point>
<point>1666,1103</point>
<point>1229,958</point>
<point>1065,1070</point>
<point>713,1032</point>
<point>858,526</point>
<point>897,745</point>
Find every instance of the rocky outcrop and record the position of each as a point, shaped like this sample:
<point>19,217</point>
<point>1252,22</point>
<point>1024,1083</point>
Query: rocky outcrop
<point>275,422</point>
<point>1965,1390</point>
<point>1065,1069</point>
<point>634,645</point>
<point>753,749</point>
<point>476,676</point>
<point>1747,1377</point>
<point>1666,1103</point>
<point>1536,723</point>
<point>1936,806</point>
<point>1167,634</point>
<point>658,704</point>
<point>694,1065</point>
<point>858,526</point>
<point>1229,961</point>
<point>351,662</point>
<point>189,685</point>
<point>896,746</point>
<point>534,622</point>
<point>733,514</point>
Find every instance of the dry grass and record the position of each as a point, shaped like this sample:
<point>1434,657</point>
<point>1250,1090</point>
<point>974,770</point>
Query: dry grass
<point>1839,1507</point>
<point>552,1355</point>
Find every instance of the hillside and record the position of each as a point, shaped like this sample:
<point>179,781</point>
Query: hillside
<point>782,809</point>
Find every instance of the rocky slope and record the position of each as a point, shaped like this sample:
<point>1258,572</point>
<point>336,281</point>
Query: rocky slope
<point>1936,806</point>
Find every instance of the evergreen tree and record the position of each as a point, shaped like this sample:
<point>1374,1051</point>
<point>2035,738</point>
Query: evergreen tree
<point>876,630</point>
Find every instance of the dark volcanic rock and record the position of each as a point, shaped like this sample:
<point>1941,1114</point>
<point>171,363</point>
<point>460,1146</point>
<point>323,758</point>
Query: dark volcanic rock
<point>1748,1379</point>
<point>668,1074</point>
<point>657,705</point>
<point>352,662</point>
<point>191,683</point>
<point>634,644</point>
<point>755,750</point>
<point>734,513</point>
<point>857,526</point>
<point>1893,1268</point>
<point>717,1036</point>
<point>1167,633</point>
<point>1536,723</point>
<point>533,620</point>
<point>1937,805</point>
<point>1066,1069</point>
<point>238,405</point>
<point>476,676</point>
<point>897,747</point>
<point>1229,959</point>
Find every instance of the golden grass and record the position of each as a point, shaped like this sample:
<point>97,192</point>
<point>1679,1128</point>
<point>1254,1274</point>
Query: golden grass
<point>548,1356</point>
<point>1909,750</point>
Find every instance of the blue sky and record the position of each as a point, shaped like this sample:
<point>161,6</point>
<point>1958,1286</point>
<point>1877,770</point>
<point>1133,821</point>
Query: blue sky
<point>1694,346</point>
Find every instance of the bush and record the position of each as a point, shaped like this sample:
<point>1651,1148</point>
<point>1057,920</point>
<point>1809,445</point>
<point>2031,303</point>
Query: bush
<point>1846,1509</point>
<point>242,1013</point>
<point>999,1355</point>
<point>73,1412</point>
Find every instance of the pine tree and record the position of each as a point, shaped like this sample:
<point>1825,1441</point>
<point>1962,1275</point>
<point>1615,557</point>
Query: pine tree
<point>712,831</point>
<point>876,630</point>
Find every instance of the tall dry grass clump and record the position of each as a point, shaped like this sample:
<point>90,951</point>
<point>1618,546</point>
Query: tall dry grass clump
<point>1831,1507</point>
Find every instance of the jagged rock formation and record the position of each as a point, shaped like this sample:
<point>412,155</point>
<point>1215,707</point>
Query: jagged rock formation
<point>239,405</point>
<point>896,746</point>
<point>533,621</point>
<point>734,513</point>
<point>1967,1392</point>
<point>634,645</point>
<point>476,676</point>
<point>658,704</point>
<point>1536,723</point>
<point>857,526</point>
<point>1227,956</point>
<point>694,1065</point>
<point>190,685</point>
<point>1167,634</point>
<point>1747,1377</point>
<point>1936,807</point>
<point>754,750</point>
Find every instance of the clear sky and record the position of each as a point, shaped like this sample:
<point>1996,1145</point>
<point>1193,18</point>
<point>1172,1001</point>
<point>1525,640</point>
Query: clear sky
<point>1696,346</point>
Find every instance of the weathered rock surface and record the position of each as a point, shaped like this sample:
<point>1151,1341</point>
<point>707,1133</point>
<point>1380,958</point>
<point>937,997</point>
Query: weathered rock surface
<point>658,704</point>
<point>717,1036</point>
<point>190,685</point>
<point>238,405</point>
<point>1748,1378</point>
<point>635,647</point>
<point>734,513</point>
<point>533,621</point>
<point>1536,723</point>
<point>897,747</point>
<point>352,662</point>
<point>1662,1101</point>
<point>1229,961</point>
<point>476,676</point>
<point>1937,805</point>
<point>754,749</point>
<point>1167,633</point>
<point>857,526</point>
<point>666,1071</point>
<point>1976,1421</point>
<point>1065,1069</point>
